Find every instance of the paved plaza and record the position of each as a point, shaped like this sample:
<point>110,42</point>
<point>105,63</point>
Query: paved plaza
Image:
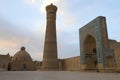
<point>57,75</point>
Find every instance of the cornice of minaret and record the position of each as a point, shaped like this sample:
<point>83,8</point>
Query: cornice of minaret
<point>51,7</point>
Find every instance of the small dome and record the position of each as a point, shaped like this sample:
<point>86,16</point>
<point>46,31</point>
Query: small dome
<point>22,48</point>
<point>22,55</point>
<point>51,7</point>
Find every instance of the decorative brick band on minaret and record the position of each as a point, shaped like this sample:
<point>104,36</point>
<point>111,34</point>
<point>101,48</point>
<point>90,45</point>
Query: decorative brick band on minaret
<point>50,61</point>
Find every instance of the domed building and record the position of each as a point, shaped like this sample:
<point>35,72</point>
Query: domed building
<point>22,61</point>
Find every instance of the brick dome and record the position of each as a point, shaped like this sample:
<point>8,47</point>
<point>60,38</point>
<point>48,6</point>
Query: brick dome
<point>22,55</point>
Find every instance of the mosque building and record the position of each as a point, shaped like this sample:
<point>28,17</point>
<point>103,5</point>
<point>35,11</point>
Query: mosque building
<point>22,61</point>
<point>97,51</point>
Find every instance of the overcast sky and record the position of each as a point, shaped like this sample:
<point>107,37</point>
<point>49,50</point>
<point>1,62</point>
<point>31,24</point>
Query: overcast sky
<point>23,23</point>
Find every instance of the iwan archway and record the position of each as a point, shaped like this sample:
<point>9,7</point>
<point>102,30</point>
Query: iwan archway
<point>94,46</point>
<point>90,52</point>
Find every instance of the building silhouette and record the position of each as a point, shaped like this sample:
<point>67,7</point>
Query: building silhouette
<point>97,51</point>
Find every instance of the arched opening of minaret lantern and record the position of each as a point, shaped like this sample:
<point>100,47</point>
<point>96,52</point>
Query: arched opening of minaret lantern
<point>90,52</point>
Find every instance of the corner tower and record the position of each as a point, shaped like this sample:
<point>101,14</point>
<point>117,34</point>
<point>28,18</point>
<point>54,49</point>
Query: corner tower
<point>50,61</point>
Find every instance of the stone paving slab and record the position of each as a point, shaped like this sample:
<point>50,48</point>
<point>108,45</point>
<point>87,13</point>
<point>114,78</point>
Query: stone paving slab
<point>57,75</point>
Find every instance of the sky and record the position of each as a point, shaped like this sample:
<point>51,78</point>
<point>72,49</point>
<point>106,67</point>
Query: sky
<point>23,23</point>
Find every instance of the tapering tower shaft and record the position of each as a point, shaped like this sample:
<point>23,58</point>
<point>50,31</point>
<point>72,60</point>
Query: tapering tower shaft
<point>50,61</point>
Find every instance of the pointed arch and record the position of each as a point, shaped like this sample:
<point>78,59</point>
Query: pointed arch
<point>90,52</point>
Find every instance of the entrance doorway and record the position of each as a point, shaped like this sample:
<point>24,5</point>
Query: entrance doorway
<point>9,66</point>
<point>24,67</point>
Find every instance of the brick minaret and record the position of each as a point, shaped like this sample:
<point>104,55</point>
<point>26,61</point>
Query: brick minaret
<point>50,61</point>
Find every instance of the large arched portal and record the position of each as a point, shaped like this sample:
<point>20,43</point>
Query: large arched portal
<point>95,52</point>
<point>90,52</point>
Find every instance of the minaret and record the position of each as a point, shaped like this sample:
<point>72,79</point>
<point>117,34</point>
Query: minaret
<point>50,61</point>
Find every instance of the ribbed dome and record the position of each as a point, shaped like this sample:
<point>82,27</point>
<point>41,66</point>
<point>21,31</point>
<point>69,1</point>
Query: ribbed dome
<point>22,55</point>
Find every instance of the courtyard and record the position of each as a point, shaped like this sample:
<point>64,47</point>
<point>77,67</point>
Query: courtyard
<point>57,75</point>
